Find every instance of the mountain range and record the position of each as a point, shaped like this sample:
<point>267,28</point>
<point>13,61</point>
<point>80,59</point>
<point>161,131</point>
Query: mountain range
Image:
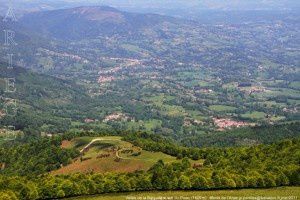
<point>89,22</point>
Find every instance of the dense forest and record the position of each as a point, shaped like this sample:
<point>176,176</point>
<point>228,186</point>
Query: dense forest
<point>35,157</point>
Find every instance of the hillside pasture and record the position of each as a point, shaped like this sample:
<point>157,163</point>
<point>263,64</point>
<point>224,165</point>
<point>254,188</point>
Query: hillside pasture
<point>109,154</point>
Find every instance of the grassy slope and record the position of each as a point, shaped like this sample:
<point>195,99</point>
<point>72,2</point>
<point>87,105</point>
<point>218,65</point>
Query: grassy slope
<point>274,192</point>
<point>128,163</point>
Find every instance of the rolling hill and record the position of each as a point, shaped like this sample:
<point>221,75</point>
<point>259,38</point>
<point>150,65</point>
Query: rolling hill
<point>109,154</point>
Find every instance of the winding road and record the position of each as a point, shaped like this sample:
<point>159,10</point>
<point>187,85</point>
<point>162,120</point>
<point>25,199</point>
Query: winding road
<point>103,139</point>
<point>117,152</point>
<point>95,140</point>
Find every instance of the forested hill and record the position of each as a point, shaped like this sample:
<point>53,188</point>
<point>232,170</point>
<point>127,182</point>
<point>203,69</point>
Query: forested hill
<point>41,100</point>
<point>261,166</point>
<point>91,22</point>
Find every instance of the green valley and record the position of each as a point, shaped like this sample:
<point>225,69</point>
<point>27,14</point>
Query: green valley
<point>156,100</point>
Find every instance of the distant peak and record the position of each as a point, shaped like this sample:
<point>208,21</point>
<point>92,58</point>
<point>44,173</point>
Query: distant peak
<point>95,9</point>
<point>97,13</point>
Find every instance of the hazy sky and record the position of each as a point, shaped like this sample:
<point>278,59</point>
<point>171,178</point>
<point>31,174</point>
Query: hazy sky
<point>206,4</point>
<point>158,6</point>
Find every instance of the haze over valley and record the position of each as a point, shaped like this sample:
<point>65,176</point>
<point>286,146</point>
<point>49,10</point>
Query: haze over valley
<point>118,96</point>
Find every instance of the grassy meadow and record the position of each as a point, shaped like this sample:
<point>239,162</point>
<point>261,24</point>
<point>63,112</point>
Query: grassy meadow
<point>117,160</point>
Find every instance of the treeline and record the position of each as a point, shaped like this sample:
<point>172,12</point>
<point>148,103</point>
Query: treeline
<point>264,134</point>
<point>245,136</point>
<point>260,166</point>
<point>157,143</point>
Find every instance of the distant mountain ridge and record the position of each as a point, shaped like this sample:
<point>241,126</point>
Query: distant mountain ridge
<point>90,22</point>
